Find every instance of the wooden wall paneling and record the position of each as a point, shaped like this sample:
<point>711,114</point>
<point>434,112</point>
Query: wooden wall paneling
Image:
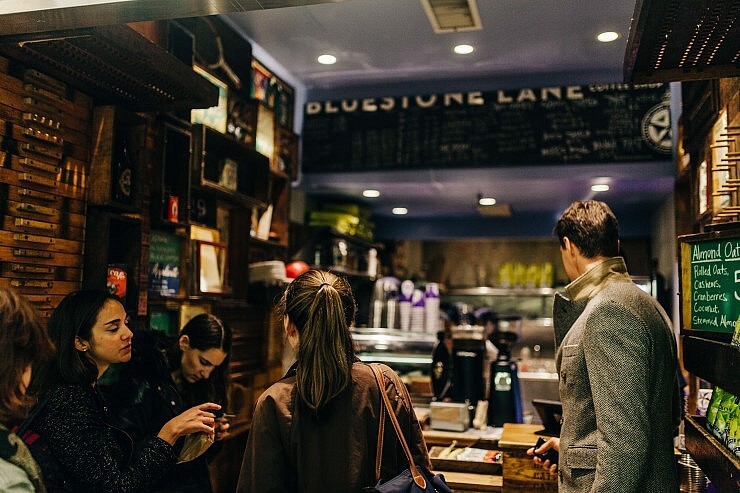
<point>44,156</point>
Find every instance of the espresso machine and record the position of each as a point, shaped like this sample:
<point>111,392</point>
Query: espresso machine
<point>504,395</point>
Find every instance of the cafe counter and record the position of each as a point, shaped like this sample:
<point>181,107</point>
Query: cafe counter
<point>507,467</point>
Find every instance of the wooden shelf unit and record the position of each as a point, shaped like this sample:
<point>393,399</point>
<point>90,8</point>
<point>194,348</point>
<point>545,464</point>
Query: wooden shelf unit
<point>717,462</point>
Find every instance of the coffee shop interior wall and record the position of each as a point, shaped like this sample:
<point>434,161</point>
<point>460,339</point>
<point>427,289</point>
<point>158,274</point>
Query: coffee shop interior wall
<point>477,262</point>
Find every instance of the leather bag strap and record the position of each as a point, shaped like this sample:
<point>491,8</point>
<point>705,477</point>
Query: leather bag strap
<point>381,432</point>
<point>386,403</point>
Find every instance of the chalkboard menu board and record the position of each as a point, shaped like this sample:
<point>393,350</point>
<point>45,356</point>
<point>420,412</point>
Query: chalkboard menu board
<point>710,279</point>
<point>550,125</point>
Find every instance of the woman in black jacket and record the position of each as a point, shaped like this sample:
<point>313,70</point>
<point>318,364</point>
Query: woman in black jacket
<point>163,378</point>
<point>86,453</point>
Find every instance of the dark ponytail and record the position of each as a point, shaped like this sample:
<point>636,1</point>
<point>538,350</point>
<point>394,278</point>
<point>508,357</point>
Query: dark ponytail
<point>322,307</point>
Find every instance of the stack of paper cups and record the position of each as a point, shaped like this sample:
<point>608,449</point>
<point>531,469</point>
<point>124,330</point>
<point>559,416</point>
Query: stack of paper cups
<point>431,308</point>
<point>404,304</point>
<point>390,289</point>
<point>417,311</point>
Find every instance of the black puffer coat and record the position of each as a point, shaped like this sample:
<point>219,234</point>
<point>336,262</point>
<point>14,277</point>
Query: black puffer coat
<point>90,455</point>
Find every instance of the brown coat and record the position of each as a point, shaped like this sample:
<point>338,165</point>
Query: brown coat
<point>291,449</point>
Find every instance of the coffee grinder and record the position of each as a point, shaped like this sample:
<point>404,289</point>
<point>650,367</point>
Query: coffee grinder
<point>504,396</point>
<point>468,358</point>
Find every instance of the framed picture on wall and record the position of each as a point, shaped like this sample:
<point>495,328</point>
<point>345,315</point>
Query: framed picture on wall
<point>211,258</point>
<point>227,174</point>
<point>260,81</point>
<point>265,142</point>
<point>284,106</point>
<point>274,93</point>
<point>164,263</point>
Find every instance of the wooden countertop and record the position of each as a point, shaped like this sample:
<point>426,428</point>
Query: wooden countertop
<point>519,436</point>
<point>472,482</point>
<point>484,439</point>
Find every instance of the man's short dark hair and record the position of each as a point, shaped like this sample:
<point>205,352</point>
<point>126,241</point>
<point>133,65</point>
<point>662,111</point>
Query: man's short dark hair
<point>592,227</point>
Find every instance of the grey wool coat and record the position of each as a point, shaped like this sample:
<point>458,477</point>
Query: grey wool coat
<point>616,356</point>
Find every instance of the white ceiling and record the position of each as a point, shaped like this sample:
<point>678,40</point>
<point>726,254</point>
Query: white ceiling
<point>391,41</point>
<point>388,47</point>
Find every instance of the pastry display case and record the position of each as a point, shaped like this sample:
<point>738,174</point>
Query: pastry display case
<point>408,353</point>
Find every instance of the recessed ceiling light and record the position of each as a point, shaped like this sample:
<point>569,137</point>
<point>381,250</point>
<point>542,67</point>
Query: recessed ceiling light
<point>400,211</point>
<point>607,36</point>
<point>327,59</point>
<point>370,193</point>
<point>600,187</point>
<point>486,201</point>
<point>463,49</point>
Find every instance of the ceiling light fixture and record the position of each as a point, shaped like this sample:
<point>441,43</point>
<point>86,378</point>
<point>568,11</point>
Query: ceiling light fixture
<point>371,194</point>
<point>486,201</point>
<point>607,36</point>
<point>600,187</point>
<point>327,59</point>
<point>463,49</point>
<point>400,211</point>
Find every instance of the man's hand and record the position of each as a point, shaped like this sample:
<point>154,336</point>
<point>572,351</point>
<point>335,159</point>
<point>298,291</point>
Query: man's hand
<point>540,450</point>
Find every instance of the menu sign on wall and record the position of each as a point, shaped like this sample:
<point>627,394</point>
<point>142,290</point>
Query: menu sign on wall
<point>711,284</point>
<point>550,125</point>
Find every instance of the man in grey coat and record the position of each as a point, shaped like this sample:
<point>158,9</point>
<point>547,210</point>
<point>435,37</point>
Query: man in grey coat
<point>616,356</point>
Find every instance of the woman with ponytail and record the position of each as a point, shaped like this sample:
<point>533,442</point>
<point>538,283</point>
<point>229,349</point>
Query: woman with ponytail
<point>316,429</point>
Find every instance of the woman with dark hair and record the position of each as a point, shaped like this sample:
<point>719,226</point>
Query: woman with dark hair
<point>316,429</point>
<point>90,331</point>
<point>199,360</point>
<point>161,381</point>
<point>23,346</point>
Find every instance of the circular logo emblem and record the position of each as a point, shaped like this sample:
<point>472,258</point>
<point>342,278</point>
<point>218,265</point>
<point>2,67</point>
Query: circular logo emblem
<point>656,128</point>
<point>124,182</point>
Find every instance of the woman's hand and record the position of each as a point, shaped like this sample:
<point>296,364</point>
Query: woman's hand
<point>194,420</point>
<point>552,444</point>
<point>222,427</point>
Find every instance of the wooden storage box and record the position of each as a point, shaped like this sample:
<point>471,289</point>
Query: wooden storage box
<point>520,474</point>
<point>459,465</point>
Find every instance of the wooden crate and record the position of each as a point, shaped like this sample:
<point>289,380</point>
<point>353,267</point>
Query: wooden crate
<point>520,474</point>
<point>455,465</point>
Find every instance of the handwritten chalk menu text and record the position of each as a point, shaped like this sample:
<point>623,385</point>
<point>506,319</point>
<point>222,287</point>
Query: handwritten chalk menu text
<point>715,284</point>
<point>549,125</point>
